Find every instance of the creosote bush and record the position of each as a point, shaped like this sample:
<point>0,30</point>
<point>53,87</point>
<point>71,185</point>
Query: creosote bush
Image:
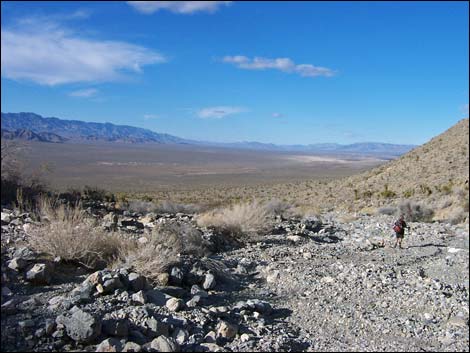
<point>69,233</point>
<point>166,244</point>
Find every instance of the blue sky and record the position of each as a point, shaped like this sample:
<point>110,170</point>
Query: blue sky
<point>280,72</point>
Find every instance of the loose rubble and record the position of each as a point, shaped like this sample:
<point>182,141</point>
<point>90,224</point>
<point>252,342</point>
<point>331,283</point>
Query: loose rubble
<point>313,284</point>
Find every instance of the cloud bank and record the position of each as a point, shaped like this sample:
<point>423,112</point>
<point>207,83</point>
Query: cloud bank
<point>180,7</point>
<point>52,55</point>
<point>281,64</point>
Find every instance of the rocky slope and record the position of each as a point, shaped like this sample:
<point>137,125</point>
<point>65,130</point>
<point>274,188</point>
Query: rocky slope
<point>28,135</point>
<point>311,284</point>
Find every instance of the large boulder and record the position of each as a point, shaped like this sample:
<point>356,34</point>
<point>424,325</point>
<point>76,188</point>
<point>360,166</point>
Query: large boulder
<point>82,326</point>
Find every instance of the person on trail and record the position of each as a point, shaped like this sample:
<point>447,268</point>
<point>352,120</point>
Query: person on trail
<point>399,228</point>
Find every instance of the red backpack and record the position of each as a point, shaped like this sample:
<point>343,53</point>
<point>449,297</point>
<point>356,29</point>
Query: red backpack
<point>398,228</point>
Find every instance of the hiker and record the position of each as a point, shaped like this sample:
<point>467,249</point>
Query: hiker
<point>399,228</point>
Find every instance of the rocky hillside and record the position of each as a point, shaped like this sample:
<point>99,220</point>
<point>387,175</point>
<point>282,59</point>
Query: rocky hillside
<point>441,162</point>
<point>315,284</point>
<point>434,174</point>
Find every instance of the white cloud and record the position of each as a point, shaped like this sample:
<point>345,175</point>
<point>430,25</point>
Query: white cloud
<point>49,54</point>
<point>219,112</point>
<point>282,64</point>
<point>84,93</point>
<point>278,115</point>
<point>181,7</point>
<point>151,116</point>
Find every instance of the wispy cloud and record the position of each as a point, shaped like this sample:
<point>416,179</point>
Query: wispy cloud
<point>180,7</point>
<point>50,54</point>
<point>84,93</point>
<point>151,116</point>
<point>219,112</point>
<point>281,64</point>
<point>277,115</point>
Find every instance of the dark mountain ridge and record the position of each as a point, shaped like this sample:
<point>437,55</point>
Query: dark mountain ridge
<point>76,130</point>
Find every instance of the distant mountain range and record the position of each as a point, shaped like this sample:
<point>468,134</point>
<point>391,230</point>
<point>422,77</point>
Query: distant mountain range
<point>33,127</point>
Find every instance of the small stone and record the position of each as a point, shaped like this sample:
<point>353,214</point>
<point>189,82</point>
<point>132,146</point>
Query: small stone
<point>211,347</point>
<point>112,284</point>
<point>227,330</point>
<point>132,347</point>
<point>176,276</point>
<point>9,307</point>
<point>163,279</point>
<point>209,281</point>
<point>156,328</point>
<point>193,302</point>
<point>40,274</point>
<point>17,264</point>
<point>210,337</point>
<point>109,345</point>
<point>174,304</point>
<point>40,332</point>
<point>95,278</point>
<point>244,337</point>
<point>180,336</point>
<point>6,292</point>
<point>139,297</point>
<point>136,282</point>
<point>164,344</point>
<point>273,277</point>
<point>157,297</point>
<point>50,326</point>
<point>196,290</point>
<point>6,218</point>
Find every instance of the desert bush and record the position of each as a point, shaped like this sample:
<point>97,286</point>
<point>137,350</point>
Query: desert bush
<point>387,193</point>
<point>166,244</point>
<point>240,221</point>
<point>408,193</point>
<point>279,207</point>
<point>94,193</point>
<point>387,210</point>
<point>415,212</point>
<point>172,207</point>
<point>141,206</point>
<point>67,232</point>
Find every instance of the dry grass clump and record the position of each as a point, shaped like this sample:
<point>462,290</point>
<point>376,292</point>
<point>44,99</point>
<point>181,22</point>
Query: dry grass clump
<point>69,233</point>
<point>240,221</point>
<point>166,244</point>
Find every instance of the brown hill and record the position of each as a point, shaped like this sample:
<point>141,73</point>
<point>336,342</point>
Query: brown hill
<point>435,174</point>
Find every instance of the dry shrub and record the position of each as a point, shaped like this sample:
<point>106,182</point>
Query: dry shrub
<point>281,208</point>
<point>415,212</point>
<point>240,220</point>
<point>67,232</point>
<point>140,206</point>
<point>167,243</point>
